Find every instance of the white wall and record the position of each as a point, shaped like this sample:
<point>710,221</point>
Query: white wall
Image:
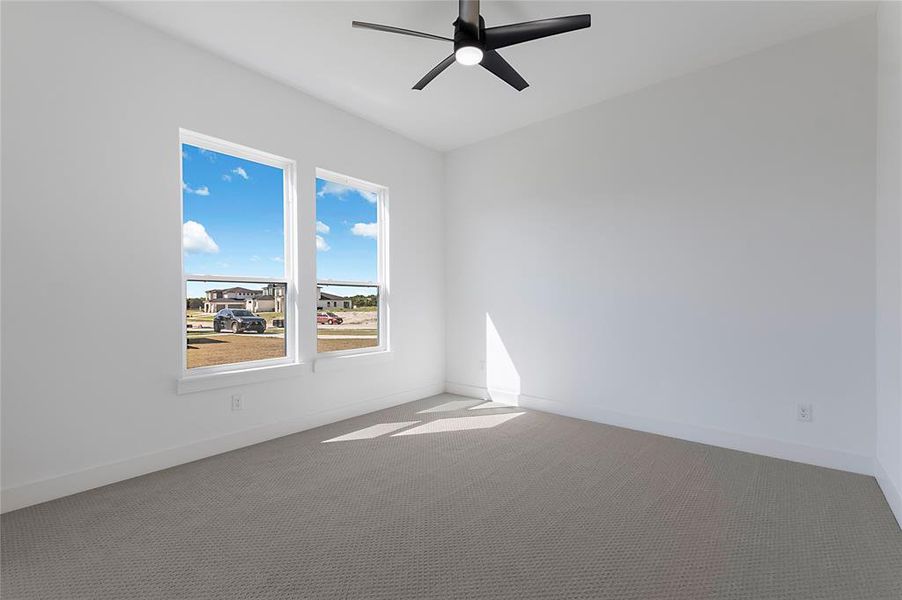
<point>889,253</point>
<point>92,103</point>
<point>695,258</point>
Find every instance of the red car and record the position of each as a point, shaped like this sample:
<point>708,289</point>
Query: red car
<point>327,318</point>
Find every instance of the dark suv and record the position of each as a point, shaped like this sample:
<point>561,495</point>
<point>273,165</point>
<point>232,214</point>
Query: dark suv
<point>238,320</point>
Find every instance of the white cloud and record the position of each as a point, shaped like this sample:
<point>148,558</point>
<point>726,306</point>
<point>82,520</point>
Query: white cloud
<point>278,259</point>
<point>337,189</point>
<point>240,173</point>
<point>201,191</point>
<point>333,188</point>
<point>196,240</point>
<point>227,178</point>
<point>370,230</point>
<point>321,245</point>
<point>322,227</point>
<point>255,258</point>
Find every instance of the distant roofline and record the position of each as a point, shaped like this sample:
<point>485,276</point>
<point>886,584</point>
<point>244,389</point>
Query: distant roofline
<point>328,296</point>
<point>236,289</point>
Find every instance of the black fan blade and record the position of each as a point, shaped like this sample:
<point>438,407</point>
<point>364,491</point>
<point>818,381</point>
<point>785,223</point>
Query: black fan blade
<point>434,73</point>
<point>390,29</point>
<point>468,12</point>
<point>508,35</point>
<point>494,63</point>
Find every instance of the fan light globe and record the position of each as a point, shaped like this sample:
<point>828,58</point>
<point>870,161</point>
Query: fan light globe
<point>468,55</point>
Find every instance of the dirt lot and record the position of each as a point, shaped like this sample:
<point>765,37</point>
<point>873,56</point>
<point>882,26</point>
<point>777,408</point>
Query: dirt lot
<point>353,319</point>
<point>359,330</point>
<point>207,350</point>
<point>331,345</point>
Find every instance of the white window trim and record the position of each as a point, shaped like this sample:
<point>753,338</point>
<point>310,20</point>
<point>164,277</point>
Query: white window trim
<point>206,377</point>
<point>382,273</point>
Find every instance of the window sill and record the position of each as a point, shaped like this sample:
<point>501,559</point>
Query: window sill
<point>214,381</point>
<point>327,363</point>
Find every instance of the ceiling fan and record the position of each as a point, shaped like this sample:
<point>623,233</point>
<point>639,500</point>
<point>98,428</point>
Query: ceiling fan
<point>476,44</point>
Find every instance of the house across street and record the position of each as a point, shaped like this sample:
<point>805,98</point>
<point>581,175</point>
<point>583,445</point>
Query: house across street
<point>271,298</point>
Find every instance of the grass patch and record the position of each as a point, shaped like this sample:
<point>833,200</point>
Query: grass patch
<point>201,339</point>
<point>347,331</point>
<point>205,351</point>
<point>326,345</point>
<point>193,333</point>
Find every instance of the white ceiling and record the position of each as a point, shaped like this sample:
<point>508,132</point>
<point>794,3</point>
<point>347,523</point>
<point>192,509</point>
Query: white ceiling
<point>312,47</point>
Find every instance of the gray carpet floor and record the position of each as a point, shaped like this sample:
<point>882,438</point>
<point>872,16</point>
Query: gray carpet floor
<point>464,501</point>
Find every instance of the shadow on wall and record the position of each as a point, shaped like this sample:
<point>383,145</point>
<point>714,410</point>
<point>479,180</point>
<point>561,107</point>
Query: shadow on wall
<point>502,380</point>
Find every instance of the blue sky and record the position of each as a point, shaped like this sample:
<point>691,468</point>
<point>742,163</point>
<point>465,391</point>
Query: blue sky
<point>233,222</point>
<point>233,215</point>
<point>346,226</point>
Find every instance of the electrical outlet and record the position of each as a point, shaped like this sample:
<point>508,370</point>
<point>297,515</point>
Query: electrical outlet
<point>482,365</point>
<point>804,412</point>
<point>237,402</point>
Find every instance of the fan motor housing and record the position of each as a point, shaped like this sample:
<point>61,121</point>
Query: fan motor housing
<point>465,35</point>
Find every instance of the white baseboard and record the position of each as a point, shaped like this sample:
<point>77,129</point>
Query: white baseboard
<point>470,391</point>
<point>892,493</point>
<point>72,483</point>
<point>497,395</point>
<point>821,457</point>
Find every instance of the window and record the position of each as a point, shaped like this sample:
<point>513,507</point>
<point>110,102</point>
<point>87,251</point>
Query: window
<point>351,265</point>
<point>237,257</point>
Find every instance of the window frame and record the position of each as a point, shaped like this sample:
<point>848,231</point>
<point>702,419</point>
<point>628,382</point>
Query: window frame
<point>290,277</point>
<point>382,268</point>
